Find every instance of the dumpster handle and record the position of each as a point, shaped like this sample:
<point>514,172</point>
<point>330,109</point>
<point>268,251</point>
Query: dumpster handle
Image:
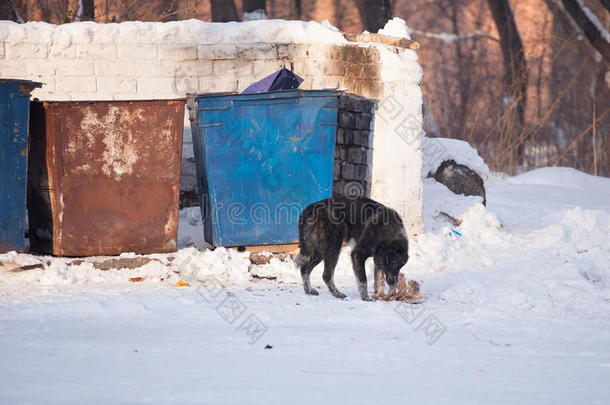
<point>214,108</point>
<point>266,101</point>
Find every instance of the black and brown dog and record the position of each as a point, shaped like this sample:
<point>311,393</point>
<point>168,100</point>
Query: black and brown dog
<point>370,227</point>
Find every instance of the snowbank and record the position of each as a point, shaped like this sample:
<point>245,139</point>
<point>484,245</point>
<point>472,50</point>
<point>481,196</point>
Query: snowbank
<point>255,31</point>
<point>517,225</point>
<point>437,150</point>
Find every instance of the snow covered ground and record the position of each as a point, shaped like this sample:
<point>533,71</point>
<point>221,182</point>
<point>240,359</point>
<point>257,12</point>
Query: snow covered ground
<point>517,311</point>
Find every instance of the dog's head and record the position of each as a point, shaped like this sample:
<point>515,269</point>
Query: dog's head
<point>391,258</point>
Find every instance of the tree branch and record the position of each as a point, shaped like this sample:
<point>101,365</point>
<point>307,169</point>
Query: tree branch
<point>448,37</point>
<point>588,22</point>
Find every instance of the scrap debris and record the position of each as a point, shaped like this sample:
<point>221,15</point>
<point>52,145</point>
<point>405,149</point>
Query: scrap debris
<point>13,267</point>
<point>403,291</point>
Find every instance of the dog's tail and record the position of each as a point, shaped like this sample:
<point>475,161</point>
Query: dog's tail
<point>301,259</point>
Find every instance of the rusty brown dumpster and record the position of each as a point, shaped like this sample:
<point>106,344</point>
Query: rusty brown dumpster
<point>104,176</point>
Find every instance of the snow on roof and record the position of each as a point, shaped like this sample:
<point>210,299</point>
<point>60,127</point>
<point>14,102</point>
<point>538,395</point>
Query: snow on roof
<point>187,31</point>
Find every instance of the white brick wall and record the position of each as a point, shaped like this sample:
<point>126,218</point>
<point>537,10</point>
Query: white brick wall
<point>86,61</point>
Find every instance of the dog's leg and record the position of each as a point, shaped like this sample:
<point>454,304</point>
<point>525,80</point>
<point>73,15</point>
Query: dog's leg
<point>378,284</point>
<point>306,269</point>
<point>358,260</point>
<point>330,262</point>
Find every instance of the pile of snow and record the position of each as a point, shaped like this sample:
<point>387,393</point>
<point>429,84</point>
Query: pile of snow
<point>396,27</point>
<point>194,31</point>
<point>564,177</point>
<point>437,150</point>
<point>439,202</point>
<point>255,15</point>
<point>515,224</point>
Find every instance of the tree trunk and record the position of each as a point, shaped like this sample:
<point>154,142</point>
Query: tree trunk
<point>515,68</point>
<point>88,10</point>
<point>36,12</point>
<point>299,8</point>
<point>374,13</point>
<point>7,11</point>
<point>253,5</point>
<point>224,11</point>
<point>592,33</point>
<point>71,11</point>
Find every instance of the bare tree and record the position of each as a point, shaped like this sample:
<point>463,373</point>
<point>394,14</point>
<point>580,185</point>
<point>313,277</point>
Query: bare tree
<point>515,68</point>
<point>253,5</point>
<point>374,13</point>
<point>72,11</point>
<point>590,25</point>
<point>224,10</point>
<point>299,8</point>
<point>88,11</point>
<point>7,11</point>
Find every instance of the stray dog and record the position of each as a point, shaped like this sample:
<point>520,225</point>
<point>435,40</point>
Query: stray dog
<point>373,229</point>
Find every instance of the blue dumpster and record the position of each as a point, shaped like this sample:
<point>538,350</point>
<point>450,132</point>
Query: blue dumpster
<point>14,121</point>
<point>262,158</point>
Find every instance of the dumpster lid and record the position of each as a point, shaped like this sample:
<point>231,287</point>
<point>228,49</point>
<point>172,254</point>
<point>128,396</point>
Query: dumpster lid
<point>30,83</point>
<point>81,103</point>
<point>272,94</point>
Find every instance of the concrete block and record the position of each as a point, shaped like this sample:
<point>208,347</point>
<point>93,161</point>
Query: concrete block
<point>337,170</point>
<point>177,51</point>
<point>211,85</point>
<point>150,85</point>
<point>111,68</point>
<point>40,68</point>
<point>62,51</point>
<point>291,51</point>
<point>307,67</point>
<point>217,52</point>
<point>362,172</point>
<point>187,84</point>
<point>347,120</point>
<point>75,68</point>
<point>137,51</point>
<point>264,68</point>
<point>153,68</point>
<point>356,154</point>
<point>13,68</point>
<point>260,51</point>
<point>96,51</point>
<point>77,84</point>
<point>116,84</point>
<point>26,51</point>
<point>195,68</point>
<point>341,136</point>
<point>348,171</point>
<point>363,121</point>
<point>233,68</point>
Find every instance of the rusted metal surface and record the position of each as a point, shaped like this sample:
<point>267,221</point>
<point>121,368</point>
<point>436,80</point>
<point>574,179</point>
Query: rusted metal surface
<point>105,176</point>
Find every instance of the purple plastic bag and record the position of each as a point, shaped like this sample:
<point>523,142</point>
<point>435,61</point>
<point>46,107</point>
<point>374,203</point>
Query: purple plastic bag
<point>283,79</point>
